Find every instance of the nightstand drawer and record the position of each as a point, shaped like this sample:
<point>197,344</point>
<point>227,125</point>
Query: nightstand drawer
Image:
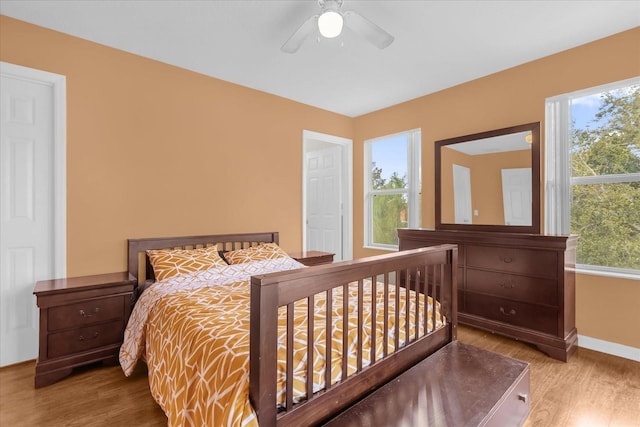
<point>77,340</point>
<point>86,312</point>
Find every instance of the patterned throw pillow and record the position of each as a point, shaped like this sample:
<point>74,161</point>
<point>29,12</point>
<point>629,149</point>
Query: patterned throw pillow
<point>171,262</point>
<point>261,252</point>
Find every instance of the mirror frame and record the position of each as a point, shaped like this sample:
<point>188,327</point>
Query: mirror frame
<point>534,228</point>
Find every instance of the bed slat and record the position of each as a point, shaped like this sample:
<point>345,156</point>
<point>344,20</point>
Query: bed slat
<point>289,373</point>
<point>345,327</point>
<point>360,325</point>
<point>425,286</point>
<point>374,316</point>
<point>407,311</point>
<point>385,337</point>
<point>328,341</point>
<point>310,341</point>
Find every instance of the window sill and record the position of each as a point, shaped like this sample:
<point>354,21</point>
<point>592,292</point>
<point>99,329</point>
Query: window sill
<point>604,273</point>
<point>382,248</point>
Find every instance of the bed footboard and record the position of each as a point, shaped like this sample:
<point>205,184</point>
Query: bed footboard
<point>411,313</point>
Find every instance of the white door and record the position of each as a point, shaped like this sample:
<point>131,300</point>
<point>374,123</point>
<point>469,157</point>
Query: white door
<point>27,208</point>
<point>462,194</point>
<point>324,200</point>
<point>516,195</point>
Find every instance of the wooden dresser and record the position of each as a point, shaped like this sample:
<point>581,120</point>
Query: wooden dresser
<point>517,285</point>
<point>82,320</point>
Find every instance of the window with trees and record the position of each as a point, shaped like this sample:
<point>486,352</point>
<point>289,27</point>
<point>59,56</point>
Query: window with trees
<point>593,174</point>
<point>392,187</point>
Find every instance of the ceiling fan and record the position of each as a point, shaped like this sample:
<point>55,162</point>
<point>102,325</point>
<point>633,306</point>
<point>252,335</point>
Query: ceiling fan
<point>330,21</point>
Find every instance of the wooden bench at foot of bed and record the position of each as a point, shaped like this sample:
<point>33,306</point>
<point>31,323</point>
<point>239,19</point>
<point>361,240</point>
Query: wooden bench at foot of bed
<point>460,385</point>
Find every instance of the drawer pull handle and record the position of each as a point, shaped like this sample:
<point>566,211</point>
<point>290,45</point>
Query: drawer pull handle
<point>507,259</point>
<point>523,397</point>
<point>94,336</point>
<point>85,314</point>
<point>511,312</point>
<point>507,285</point>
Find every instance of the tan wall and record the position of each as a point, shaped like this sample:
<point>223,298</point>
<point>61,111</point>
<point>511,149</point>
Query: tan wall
<point>486,179</point>
<point>509,98</point>
<point>449,157</point>
<point>155,150</point>
<point>607,309</point>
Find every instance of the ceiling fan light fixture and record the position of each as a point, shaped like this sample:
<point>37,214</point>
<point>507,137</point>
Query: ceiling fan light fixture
<point>330,24</point>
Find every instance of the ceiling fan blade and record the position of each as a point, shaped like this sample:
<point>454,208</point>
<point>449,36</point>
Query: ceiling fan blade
<point>307,28</point>
<point>367,29</point>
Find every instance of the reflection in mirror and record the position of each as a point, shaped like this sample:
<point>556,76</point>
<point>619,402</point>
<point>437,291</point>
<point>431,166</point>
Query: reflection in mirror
<point>489,180</point>
<point>488,198</point>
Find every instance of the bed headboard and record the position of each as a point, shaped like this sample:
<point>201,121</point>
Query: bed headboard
<point>138,261</point>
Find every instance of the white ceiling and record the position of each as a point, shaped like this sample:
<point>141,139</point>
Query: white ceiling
<point>438,44</point>
<point>496,144</point>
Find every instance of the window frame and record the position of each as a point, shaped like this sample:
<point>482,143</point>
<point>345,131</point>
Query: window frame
<point>413,190</point>
<point>558,180</point>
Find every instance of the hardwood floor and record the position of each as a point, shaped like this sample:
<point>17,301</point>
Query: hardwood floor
<point>592,389</point>
<point>95,395</point>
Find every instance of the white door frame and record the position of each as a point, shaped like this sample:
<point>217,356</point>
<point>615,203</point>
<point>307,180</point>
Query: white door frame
<point>347,190</point>
<point>59,84</point>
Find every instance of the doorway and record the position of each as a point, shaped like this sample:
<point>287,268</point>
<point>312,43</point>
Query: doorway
<point>327,194</point>
<point>32,200</point>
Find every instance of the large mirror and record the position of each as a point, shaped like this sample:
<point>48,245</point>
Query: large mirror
<point>489,181</point>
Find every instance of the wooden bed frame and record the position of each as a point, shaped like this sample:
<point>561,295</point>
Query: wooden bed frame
<point>138,261</point>
<point>269,292</point>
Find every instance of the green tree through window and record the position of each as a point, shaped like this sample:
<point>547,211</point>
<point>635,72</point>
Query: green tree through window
<point>392,187</point>
<point>389,210</point>
<point>605,182</point>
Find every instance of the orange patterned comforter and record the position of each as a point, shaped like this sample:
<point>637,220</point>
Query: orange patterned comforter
<point>194,333</point>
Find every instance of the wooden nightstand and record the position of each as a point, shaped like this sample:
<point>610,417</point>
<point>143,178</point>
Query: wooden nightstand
<point>313,257</point>
<point>82,320</point>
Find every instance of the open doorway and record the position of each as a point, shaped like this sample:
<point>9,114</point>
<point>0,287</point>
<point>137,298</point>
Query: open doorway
<point>327,194</point>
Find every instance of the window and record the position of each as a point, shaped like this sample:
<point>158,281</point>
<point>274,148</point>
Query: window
<point>391,187</point>
<point>593,174</point>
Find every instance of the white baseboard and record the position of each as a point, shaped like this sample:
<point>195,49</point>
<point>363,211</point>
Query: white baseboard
<point>608,347</point>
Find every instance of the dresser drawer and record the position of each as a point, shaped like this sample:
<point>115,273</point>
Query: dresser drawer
<point>522,288</point>
<point>536,317</point>
<point>87,338</point>
<point>86,312</point>
<point>524,261</point>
